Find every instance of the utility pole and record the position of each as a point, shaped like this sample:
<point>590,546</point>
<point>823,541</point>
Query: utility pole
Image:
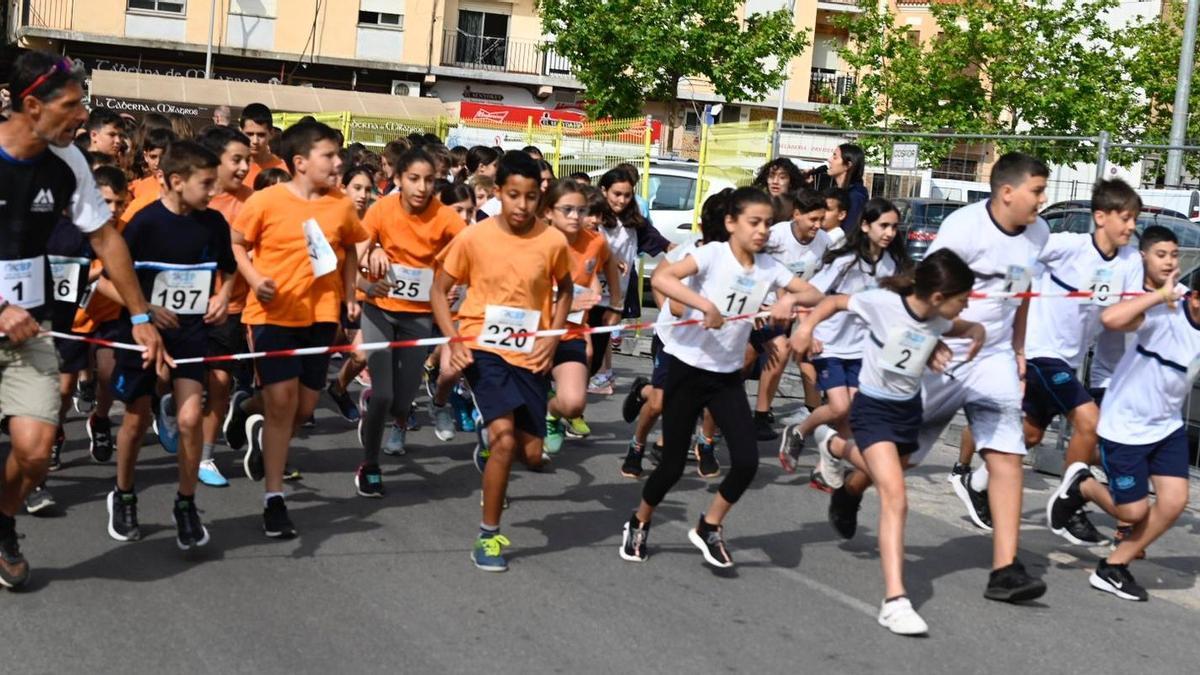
<point>212,20</point>
<point>1183,89</point>
<point>787,73</point>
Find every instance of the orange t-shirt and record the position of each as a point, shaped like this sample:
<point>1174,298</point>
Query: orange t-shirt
<point>589,255</point>
<point>147,195</point>
<point>272,162</point>
<point>506,269</point>
<point>410,240</point>
<point>99,308</point>
<point>229,204</point>
<point>272,222</point>
<point>147,184</point>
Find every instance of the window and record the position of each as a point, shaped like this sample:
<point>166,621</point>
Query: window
<point>672,193</point>
<point>164,6</point>
<point>482,38</point>
<point>381,19</point>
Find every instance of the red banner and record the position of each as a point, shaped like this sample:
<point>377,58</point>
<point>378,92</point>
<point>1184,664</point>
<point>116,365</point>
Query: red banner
<point>541,117</point>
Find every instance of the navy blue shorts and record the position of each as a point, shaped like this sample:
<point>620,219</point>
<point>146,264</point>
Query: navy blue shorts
<point>311,370</point>
<point>501,388</point>
<point>834,372</point>
<point>1129,467</point>
<point>658,376</point>
<point>571,351</point>
<point>130,382</point>
<point>1051,388</point>
<point>72,354</point>
<point>1097,394</point>
<point>111,330</point>
<point>225,339</point>
<point>875,420</point>
<point>759,337</point>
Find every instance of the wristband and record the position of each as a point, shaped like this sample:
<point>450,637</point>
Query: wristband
<point>139,319</point>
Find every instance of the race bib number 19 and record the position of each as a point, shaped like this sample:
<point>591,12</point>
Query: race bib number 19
<point>23,282</point>
<point>906,352</point>
<point>503,326</point>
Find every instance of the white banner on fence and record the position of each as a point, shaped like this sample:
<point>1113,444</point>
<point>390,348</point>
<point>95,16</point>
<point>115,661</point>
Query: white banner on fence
<point>905,155</point>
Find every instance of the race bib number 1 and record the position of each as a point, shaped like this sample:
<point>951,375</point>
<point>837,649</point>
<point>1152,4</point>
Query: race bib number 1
<point>23,282</point>
<point>906,352</point>
<point>410,283</point>
<point>502,327</point>
<point>182,291</point>
<point>1102,288</point>
<point>320,253</point>
<point>742,296</point>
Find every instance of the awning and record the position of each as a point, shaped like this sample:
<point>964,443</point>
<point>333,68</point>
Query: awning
<point>141,92</point>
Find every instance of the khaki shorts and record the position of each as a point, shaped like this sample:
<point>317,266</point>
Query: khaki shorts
<point>29,379</point>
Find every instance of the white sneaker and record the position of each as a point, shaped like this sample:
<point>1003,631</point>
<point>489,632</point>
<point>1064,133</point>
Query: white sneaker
<point>394,443</point>
<point>899,617</point>
<point>443,421</point>
<point>831,467</point>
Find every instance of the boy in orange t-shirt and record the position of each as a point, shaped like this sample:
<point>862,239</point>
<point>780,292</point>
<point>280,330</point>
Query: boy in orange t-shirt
<point>511,263</point>
<point>153,146</point>
<point>256,124</point>
<point>295,246</point>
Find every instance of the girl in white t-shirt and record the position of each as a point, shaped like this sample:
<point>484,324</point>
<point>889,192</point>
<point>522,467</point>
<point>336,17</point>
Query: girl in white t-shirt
<point>705,360</point>
<point>903,321</point>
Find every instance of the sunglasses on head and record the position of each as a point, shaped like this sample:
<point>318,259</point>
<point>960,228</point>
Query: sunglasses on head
<point>63,65</point>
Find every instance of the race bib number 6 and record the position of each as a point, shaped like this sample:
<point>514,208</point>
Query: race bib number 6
<point>906,352</point>
<point>503,328</point>
<point>182,291</point>
<point>67,274</point>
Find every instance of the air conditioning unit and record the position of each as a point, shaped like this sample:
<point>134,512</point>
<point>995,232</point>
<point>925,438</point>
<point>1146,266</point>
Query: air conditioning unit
<point>406,88</point>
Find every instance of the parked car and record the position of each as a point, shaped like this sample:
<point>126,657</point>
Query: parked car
<point>1080,220</point>
<point>1086,204</point>
<point>920,220</point>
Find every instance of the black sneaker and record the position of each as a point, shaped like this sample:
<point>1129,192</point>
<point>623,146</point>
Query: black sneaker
<point>976,502</point>
<point>14,569</point>
<point>234,426</point>
<point>762,427</point>
<point>791,444</point>
<point>706,459</point>
<point>368,481</point>
<point>1013,584</point>
<point>122,516</point>
<point>189,531</point>
<point>633,540</point>
<point>1117,580</point>
<point>345,406</point>
<point>84,399</point>
<point>40,501</point>
<point>632,466</point>
<point>632,406</point>
<point>1065,504</point>
<point>252,461</point>
<point>708,539</point>
<point>100,440</point>
<point>843,512</point>
<point>60,439</point>
<point>276,523</point>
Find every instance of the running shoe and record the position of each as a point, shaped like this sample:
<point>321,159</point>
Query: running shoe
<point>632,406</point>
<point>706,458</point>
<point>368,481</point>
<point>464,408</point>
<point>429,379</point>
<point>486,553</point>
<point>443,421</point>
<point>14,569</point>
<point>976,502</point>
<point>60,439</point>
<point>632,466</point>
<point>310,422</point>
<point>554,435</point>
<point>832,468</point>
<point>84,399</point>
<point>210,475</point>
<point>291,473</point>
<point>601,384</point>
<point>1124,532</point>
<point>252,461</point>
<point>1013,584</point>
<point>711,543</point>
<point>763,430</point>
<point>633,540</point>
<point>480,456</point>
<point>235,421</point>
<point>1064,510</point>
<point>39,501</point>
<point>363,378</point>
<point>276,523</point>
<point>790,446</point>
<point>843,512</point>
<point>1117,580</point>
<point>576,427</point>
<point>165,424</point>
<point>412,424</point>
<point>393,445</point>
<point>816,479</point>
<point>341,399</point>
<point>189,531</point>
<point>122,516</point>
<point>957,470</point>
<point>364,400</point>
<point>899,617</point>
<point>100,439</point>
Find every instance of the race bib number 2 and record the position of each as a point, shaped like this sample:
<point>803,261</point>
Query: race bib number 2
<point>23,282</point>
<point>503,328</point>
<point>182,291</point>
<point>906,352</point>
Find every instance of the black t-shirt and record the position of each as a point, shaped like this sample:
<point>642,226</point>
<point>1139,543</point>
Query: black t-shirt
<point>70,251</point>
<point>34,194</point>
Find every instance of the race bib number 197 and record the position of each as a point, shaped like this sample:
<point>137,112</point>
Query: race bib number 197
<point>182,291</point>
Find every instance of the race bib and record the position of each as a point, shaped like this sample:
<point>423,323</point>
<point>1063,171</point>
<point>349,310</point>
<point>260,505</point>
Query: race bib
<point>803,268</point>
<point>410,283</point>
<point>320,253</point>
<point>742,295</point>
<point>23,282</point>
<point>577,317</point>
<point>1103,293</point>
<point>182,291</point>
<point>605,291</point>
<point>1017,280</point>
<point>906,351</point>
<point>501,326</point>
<point>67,275</point>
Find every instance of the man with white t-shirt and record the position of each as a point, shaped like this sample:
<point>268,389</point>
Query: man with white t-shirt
<point>1001,239</point>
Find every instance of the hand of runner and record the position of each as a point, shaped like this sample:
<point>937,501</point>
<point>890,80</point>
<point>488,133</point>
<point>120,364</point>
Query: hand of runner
<point>460,356</point>
<point>164,319</point>
<point>147,335</point>
<point>940,357</point>
<point>542,357</point>
<point>978,335</point>
<point>713,319</point>
<point>17,324</point>
<point>218,310</point>
<point>264,290</point>
<point>379,289</point>
<point>802,341</point>
<point>1169,291</point>
<point>378,262</point>
<point>353,310</point>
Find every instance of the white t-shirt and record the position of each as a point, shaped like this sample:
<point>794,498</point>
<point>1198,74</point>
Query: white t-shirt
<point>1145,399</point>
<point>899,344</point>
<point>491,206</point>
<point>1002,262</point>
<point>622,245</point>
<point>1110,347</point>
<point>843,335</point>
<point>802,259</point>
<point>735,290</point>
<point>1063,328</point>
<point>664,317</point>
<point>836,235</point>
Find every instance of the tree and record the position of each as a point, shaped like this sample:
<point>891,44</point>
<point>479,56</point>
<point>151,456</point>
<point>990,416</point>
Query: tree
<point>626,52</point>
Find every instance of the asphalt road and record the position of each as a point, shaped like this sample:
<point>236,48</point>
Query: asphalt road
<point>386,585</point>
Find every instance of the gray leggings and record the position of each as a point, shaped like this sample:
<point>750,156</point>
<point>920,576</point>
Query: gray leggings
<point>395,373</point>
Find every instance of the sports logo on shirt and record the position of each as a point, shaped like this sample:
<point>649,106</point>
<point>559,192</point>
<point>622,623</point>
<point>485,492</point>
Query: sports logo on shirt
<point>43,202</point>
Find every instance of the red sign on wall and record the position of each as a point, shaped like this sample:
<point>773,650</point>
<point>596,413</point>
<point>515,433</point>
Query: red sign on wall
<point>521,116</point>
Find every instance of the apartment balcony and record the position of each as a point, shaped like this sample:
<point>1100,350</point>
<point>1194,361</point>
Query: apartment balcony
<point>508,55</point>
<point>830,87</point>
<point>842,6</point>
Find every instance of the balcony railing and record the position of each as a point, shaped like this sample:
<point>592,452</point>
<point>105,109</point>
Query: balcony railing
<point>830,87</point>
<point>480,52</point>
<point>55,14</point>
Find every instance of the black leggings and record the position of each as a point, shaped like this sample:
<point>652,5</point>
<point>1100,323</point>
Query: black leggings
<point>600,341</point>
<point>686,393</point>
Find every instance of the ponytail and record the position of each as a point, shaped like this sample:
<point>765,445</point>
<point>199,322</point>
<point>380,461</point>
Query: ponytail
<point>940,272</point>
